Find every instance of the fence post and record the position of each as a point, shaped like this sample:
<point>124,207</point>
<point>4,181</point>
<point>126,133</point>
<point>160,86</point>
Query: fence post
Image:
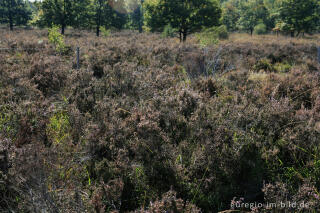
<point>78,58</point>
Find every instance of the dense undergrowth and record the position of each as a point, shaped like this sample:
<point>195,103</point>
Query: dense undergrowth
<point>149,125</point>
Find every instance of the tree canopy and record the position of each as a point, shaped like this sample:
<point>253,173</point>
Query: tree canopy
<point>288,16</point>
<point>299,15</point>
<point>185,15</point>
<point>291,17</point>
<point>14,12</point>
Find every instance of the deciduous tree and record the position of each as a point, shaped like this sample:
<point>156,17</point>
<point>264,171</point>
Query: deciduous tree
<point>299,15</point>
<point>251,12</point>
<point>14,12</point>
<point>186,16</point>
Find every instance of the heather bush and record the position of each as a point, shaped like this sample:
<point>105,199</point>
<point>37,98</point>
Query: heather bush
<point>169,202</point>
<point>47,75</point>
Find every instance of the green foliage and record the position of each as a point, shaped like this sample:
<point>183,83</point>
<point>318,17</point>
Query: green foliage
<point>230,15</point>
<point>168,31</point>
<point>59,128</point>
<point>211,36</point>
<point>185,76</point>
<point>56,39</point>
<point>135,18</point>
<point>289,16</point>
<point>299,15</point>
<point>56,12</point>
<point>264,65</point>
<point>105,32</point>
<point>222,32</point>
<point>187,16</point>
<point>8,122</point>
<point>14,12</point>
<point>207,38</point>
<point>108,14</point>
<point>260,29</point>
<point>282,67</point>
<point>251,12</point>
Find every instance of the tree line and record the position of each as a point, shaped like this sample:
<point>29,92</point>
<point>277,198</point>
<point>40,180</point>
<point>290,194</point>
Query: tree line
<point>292,17</point>
<point>288,16</point>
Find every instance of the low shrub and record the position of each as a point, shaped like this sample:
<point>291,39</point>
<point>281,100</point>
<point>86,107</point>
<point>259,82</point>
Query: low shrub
<point>264,65</point>
<point>212,35</point>
<point>282,67</point>
<point>57,39</point>
<point>207,38</point>
<point>169,31</point>
<point>58,128</point>
<point>46,73</point>
<point>105,32</point>
<point>222,32</point>
<point>260,29</point>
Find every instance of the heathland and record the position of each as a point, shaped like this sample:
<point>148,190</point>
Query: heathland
<point>149,124</point>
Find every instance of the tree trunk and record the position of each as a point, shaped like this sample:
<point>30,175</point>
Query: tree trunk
<point>98,18</point>
<point>63,18</point>
<point>251,31</point>
<point>140,26</point>
<point>10,16</point>
<point>10,22</point>
<point>63,26</point>
<point>98,30</point>
<point>140,19</point>
<point>98,25</point>
<point>180,36</point>
<point>292,34</point>
<point>184,36</point>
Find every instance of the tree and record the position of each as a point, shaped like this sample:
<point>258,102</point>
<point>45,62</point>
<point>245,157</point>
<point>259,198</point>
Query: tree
<point>273,13</point>
<point>81,14</point>
<point>187,16</point>
<point>14,12</point>
<point>318,17</point>
<point>299,15</point>
<point>136,14</point>
<point>251,13</point>
<point>109,13</point>
<point>57,12</point>
<point>230,14</point>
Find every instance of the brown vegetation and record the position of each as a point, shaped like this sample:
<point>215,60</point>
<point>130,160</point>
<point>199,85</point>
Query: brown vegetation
<point>150,125</point>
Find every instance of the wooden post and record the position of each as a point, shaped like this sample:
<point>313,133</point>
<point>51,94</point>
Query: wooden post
<point>78,58</point>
